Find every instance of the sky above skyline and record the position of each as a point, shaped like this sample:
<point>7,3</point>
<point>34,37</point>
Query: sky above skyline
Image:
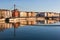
<point>32,5</point>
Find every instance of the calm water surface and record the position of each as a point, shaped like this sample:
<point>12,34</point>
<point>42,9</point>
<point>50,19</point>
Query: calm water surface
<point>29,32</point>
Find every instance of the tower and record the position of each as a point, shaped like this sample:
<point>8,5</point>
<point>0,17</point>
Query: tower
<point>15,12</point>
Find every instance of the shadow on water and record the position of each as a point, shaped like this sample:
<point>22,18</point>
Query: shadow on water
<point>7,20</point>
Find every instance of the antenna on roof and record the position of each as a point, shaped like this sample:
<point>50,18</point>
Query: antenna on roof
<point>14,6</point>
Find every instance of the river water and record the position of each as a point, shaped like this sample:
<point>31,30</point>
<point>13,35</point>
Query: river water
<point>17,32</point>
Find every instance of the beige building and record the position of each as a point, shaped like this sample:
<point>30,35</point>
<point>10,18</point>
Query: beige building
<point>5,13</point>
<point>31,14</point>
<point>52,14</point>
<point>23,14</point>
<point>49,14</point>
<point>27,14</point>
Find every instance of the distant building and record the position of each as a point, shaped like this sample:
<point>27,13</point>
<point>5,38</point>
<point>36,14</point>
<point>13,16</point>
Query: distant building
<point>40,14</point>
<point>31,14</point>
<point>15,13</point>
<point>4,13</point>
<point>27,14</point>
<point>23,14</point>
<point>52,14</point>
<point>47,14</point>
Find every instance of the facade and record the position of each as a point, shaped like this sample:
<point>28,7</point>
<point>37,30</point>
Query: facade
<point>47,14</point>
<point>5,13</point>
<point>23,14</point>
<point>31,14</point>
<point>29,18</point>
<point>27,14</point>
<point>52,14</point>
<point>40,14</point>
<point>15,13</point>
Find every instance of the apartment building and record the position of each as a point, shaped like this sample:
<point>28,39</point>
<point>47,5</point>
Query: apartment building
<point>23,14</point>
<point>52,14</point>
<point>27,14</point>
<point>31,14</point>
<point>47,14</point>
<point>15,13</point>
<point>4,13</point>
<point>40,14</point>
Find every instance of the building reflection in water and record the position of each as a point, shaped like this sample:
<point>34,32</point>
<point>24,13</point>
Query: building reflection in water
<point>4,26</point>
<point>16,25</point>
<point>47,21</point>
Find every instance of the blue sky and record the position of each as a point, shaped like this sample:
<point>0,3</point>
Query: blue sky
<point>32,5</point>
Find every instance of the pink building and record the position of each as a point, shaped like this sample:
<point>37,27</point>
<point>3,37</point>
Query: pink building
<point>15,13</point>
